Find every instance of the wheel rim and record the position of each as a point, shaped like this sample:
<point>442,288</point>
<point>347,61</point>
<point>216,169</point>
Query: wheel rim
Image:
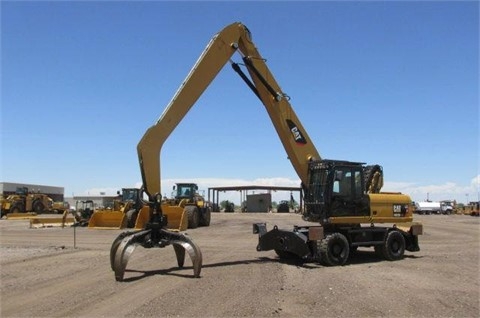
<point>395,246</point>
<point>337,250</point>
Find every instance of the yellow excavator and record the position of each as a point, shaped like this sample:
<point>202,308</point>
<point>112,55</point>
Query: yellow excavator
<point>343,198</point>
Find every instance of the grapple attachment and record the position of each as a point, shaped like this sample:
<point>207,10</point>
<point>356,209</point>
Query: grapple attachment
<point>155,234</point>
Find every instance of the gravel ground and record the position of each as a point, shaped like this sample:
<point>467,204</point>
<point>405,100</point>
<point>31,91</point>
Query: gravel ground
<point>55,272</point>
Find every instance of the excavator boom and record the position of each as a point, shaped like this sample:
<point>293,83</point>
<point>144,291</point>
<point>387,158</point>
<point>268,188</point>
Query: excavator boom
<point>234,38</point>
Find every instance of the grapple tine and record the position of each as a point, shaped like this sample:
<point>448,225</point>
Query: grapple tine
<point>180,253</point>
<point>113,249</point>
<point>118,240</point>
<point>123,251</point>
<point>124,245</point>
<point>193,251</point>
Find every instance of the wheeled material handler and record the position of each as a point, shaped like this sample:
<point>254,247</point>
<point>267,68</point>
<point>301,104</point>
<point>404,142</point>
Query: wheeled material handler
<point>342,198</point>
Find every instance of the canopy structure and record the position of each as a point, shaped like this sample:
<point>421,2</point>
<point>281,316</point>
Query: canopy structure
<point>214,192</point>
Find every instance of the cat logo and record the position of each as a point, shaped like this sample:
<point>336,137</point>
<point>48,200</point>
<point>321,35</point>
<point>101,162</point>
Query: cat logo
<point>296,133</point>
<point>399,210</point>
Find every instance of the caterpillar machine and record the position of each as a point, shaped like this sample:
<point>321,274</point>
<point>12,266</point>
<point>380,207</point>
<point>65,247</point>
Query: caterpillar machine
<point>343,198</point>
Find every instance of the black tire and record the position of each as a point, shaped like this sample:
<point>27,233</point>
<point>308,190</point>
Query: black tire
<point>394,247</point>
<point>193,217</point>
<point>17,209</point>
<point>38,207</point>
<point>334,249</point>
<point>131,218</point>
<point>206,216</point>
<point>373,174</point>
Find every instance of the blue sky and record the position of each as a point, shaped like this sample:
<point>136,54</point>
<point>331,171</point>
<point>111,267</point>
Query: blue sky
<point>393,83</point>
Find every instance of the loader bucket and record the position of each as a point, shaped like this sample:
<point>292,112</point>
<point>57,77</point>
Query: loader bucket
<point>142,218</point>
<point>176,216</point>
<point>107,220</point>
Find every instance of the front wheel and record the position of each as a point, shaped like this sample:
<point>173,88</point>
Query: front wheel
<point>38,207</point>
<point>334,249</point>
<point>17,209</point>
<point>394,247</point>
<point>131,218</point>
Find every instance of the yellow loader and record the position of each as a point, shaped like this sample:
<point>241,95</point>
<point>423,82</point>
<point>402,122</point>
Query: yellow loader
<point>131,212</point>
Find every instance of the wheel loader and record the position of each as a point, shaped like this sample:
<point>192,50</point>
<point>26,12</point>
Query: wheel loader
<point>124,212</point>
<point>130,211</point>
<point>343,198</point>
<point>25,201</point>
<point>187,198</point>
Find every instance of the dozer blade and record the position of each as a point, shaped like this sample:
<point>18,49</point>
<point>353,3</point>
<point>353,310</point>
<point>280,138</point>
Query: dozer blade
<point>107,220</point>
<point>124,245</point>
<point>51,222</point>
<point>20,216</point>
<point>177,218</point>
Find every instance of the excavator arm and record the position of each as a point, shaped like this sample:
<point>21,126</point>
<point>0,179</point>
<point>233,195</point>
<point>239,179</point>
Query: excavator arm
<point>234,38</point>
<point>300,150</point>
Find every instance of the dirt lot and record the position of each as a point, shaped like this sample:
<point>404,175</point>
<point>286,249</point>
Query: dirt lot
<point>44,274</point>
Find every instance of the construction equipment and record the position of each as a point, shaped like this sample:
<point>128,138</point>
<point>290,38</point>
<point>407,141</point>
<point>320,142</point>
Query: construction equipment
<point>187,198</point>
<point>83,212</point>
<point>63,221</point>
<point>472,208</point>
<point>60,207</point>
<point>343,197</point>
<point>286,205</point>
<point>283,206</point>
<point>124,213</point>
<point>130,211</point>
<point>229,207</point>
<point>25,201</point>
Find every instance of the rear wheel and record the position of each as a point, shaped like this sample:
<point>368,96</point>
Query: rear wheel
<point>206,216</point>
<point>193,217</point>
<point>334,249</point>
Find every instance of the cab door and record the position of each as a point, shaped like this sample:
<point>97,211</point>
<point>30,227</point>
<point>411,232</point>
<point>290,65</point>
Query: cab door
<point>348,196</point>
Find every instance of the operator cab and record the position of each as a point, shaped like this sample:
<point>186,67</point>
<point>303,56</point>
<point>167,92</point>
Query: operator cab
<point>21,191</point>
<point>336,189</point>
<point>185,190</point>
<point>130,194</point>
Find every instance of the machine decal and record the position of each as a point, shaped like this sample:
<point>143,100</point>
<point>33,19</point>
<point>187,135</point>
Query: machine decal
<point>399,210</point>
<point>296,133</point>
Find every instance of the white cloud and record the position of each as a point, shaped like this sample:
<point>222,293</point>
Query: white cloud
<point>435,192</point>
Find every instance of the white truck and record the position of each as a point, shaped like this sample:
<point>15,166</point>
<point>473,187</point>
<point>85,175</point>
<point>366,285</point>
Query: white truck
<point>433,207</point>
<point>427,207</point>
